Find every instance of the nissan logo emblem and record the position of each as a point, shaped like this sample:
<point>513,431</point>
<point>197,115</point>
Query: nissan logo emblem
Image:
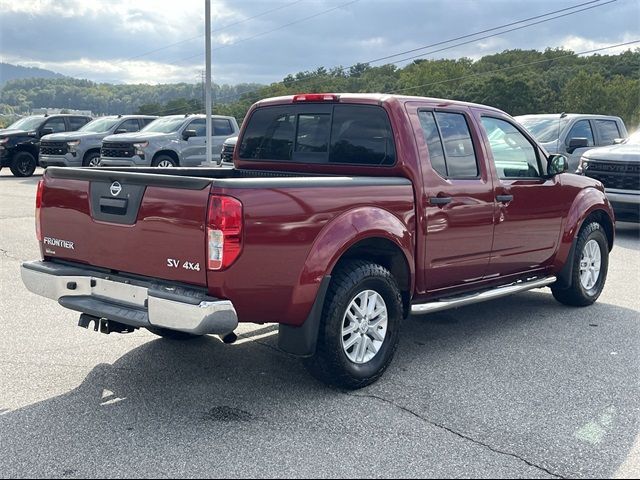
<point>115,189</point>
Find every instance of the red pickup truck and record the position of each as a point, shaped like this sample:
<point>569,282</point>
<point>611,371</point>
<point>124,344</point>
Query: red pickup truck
<point>343,215</point>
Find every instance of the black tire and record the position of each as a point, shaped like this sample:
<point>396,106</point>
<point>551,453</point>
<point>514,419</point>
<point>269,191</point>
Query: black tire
<point>23,164</point>
<point>90,158</point>
<point>172,334</point>
<point>578,295</point>
<point>330,364</point>
<point>164,158</point>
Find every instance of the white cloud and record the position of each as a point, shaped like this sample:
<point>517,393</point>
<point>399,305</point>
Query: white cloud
<point>582,44</point>
<point>157,41</point>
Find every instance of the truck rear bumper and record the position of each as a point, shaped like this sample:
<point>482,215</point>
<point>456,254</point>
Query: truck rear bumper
<point>133,302</point>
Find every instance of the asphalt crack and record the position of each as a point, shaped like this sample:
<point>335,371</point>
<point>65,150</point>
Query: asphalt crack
<point>5,253</point>
<point>458,434</point>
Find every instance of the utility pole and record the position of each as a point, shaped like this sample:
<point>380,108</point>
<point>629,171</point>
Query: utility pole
<point>207,37</point>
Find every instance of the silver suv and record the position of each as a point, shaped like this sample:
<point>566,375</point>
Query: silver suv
<point>571,134</point>
<point>82,147</point>
<point>175,140</point>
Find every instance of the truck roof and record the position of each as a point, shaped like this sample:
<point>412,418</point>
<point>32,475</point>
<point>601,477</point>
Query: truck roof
<point>194,115</point>
<point>566,115</point>
<point>378,98</point>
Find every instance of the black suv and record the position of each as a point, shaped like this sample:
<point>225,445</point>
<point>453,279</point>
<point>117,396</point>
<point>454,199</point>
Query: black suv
<point>20,142</point>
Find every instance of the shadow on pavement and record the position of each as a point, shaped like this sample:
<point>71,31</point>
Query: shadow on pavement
<point>525,375</point>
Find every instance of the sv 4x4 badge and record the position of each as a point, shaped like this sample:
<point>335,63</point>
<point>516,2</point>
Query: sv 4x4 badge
<point>175,263</point>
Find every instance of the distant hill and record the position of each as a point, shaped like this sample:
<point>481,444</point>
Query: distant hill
<point>17,72</point>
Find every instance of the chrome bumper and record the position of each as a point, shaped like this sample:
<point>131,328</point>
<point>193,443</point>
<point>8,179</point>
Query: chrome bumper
<point>131,302</point>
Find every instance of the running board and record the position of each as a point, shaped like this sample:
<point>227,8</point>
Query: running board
<point>455,302</point>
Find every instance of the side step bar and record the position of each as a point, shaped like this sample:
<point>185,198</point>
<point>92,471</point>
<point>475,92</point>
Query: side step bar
<point>454,302</point>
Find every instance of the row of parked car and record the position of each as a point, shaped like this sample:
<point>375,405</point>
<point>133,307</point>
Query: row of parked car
<point>122,140</point>
<point>597,146</point>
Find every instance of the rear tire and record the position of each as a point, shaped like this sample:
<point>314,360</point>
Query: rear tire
<point>589,269</point>
<point>23,164</point>
<point>344,327</point>
<point>172,334</point>
<point>164,161</point>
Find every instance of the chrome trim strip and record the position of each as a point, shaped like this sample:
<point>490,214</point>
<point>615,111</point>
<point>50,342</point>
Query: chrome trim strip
<point>437,306</point>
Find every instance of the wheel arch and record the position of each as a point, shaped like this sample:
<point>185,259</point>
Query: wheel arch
<point>89,152</point>
<point>29,148</point>
<point>170,153</point>
<point>366,233</point>
<point>591,205</point>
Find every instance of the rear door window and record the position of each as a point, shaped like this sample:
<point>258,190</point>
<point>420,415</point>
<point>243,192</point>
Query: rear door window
<point>458,146</point>
<point>320,133</point>
<point>607,131</point>
<point>434,143</point>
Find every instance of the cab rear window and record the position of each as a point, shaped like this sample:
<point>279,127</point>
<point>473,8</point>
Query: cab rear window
<point>320,133</point>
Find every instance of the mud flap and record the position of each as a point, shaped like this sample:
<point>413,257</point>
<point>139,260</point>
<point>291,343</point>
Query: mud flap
<point>301,341</point>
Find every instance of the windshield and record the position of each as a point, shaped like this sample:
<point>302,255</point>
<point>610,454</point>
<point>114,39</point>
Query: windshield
<point>544,130</point>
<point>164,125</point>
<point>27,123</point>
<point>99,125</point>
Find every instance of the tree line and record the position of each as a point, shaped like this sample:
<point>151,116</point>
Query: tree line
<point>516,81</point>
<point>20,96</point>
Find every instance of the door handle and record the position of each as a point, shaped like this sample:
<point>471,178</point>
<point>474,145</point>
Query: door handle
<point>440,200</point>
<point>504,198</point>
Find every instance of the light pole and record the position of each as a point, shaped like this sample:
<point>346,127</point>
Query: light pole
<point>207,37</point>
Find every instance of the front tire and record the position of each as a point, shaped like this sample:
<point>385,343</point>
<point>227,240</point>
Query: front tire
<point>164,161</point>
<point>589,269</point>
<point>360,326</point>
<point>23,164</point>
<point>91,160</point>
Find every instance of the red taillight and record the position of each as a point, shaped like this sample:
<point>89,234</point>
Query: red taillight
<point>38,207</point>
<point>316,97</point>
<point>224,232</point>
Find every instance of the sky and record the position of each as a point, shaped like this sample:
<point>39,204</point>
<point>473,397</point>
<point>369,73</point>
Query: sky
<point>159,41</point>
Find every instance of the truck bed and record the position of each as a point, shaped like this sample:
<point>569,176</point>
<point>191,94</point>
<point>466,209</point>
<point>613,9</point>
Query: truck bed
<point>159,231</point>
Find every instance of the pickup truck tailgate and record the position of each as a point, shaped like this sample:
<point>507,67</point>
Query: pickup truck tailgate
<point>149,225</point>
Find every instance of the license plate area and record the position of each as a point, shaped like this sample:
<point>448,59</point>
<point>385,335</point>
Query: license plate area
<point>119,292</point>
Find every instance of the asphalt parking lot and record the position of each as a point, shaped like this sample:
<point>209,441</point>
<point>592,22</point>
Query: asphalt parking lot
<point>517,387</point>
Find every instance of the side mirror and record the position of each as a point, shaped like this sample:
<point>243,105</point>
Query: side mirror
<point>618,141</point>
<point>120,130</point>
<point>46,131</point>
<point>557,164</point>
<point>187,134</point>
<point>577,142</point>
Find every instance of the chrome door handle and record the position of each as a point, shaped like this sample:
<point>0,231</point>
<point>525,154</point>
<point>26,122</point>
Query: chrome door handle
<point>440,200</point>
<point>504,198</point>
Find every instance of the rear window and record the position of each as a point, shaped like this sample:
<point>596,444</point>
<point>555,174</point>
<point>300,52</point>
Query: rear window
<point>320,133</point>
